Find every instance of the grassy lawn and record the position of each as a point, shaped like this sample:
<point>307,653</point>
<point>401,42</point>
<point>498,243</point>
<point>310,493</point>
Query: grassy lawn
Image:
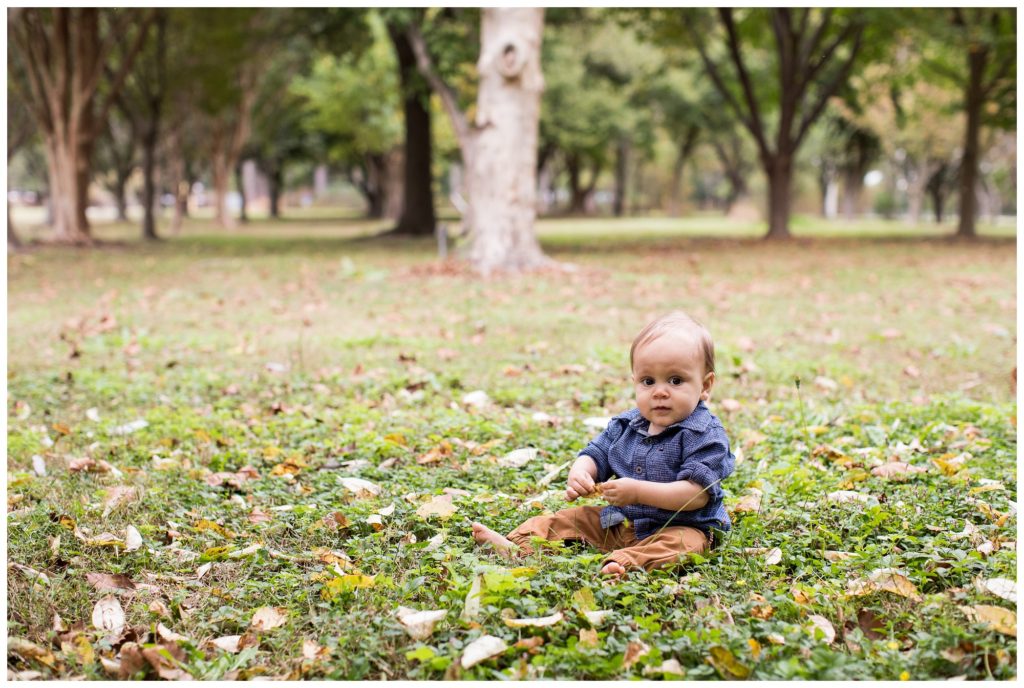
<point>274,364</point>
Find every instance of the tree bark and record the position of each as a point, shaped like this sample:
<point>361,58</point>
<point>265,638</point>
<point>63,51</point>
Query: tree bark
<point>417,207</point>
<point>621,175</point>
<point>500,150</point>
<point>780,181</point>
<point>276,178</point>
<point>243,216</point>
<point>974,101</point>
<point>686,146</point>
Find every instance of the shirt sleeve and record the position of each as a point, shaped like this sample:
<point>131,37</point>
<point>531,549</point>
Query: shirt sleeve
<point>708,461</point>
<point>600,446</point>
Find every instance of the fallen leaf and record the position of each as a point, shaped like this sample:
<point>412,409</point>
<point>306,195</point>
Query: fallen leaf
<point>588,637</point>
<point>169,635</point>
<point>518,458</point>
<point>597,616</point>
<point>750,502</point>
<point>833,555</point>
<point>80,648</point>
<point>245,552</point>
<point>726,664</point>
<point>894,468</point>
<point>228,643</point>
<point>730,405</point>
<point>38,465</point>
<point>83,463</point>
<point>388,510</point>
<point>538,622</point>
<point>997,618</point>
<point>824,625</point>
<point>477,398</point>
<point>107,615</point>
<point>129,428</point>
<point>313,650</point>
<point>109,581</point>
<point>1000,587</point>
<point>530,644</point>
<point>420,624</point>
<point>266,618</point>
<point>483,648</point>
<point>670,667</point>
<point>30,573</point>
<point>375,521</point>
<point>116,496</point>
<point>441,451</point>
<point>825,383</point>
<point>471,607</point>
<point>203,570</point>
<point>849,496</point>
<point>635,649</point>
<point>773,555</point>
<point>887,580</point>
<point>257,515</point>
<point>26,649</point>
<point>439,505</point>
<point>362,489</point>
<point>132,539</point>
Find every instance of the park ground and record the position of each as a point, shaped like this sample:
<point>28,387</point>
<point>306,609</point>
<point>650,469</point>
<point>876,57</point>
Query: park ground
<point>222,394</point>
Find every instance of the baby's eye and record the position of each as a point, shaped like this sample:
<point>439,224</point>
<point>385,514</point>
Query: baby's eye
<point>647,381</point>
<point>675,380</point>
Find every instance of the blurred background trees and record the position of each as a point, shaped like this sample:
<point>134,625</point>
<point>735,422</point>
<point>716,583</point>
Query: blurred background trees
<point>757,113</point>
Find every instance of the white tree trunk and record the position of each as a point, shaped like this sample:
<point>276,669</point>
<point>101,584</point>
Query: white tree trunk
<point>501,180</point>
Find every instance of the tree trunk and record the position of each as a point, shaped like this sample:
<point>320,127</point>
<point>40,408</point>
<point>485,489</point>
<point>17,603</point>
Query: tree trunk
<point>121,196</point>
<point>68,163</point>
<point>243,216</point>
<point>936,187</point>
<point>577,194</point>
<point>372,185</point>
<point>221,181</point>
<point>149,199</point>
<point>621,175</point>
<point>780,178</point>
<point>417,206</point>
<point>13,242</point>
<point>853,185</point>
<point>276,179</point>
<point>683,153</point>
<point>974,101</point>
<point>393,184</point>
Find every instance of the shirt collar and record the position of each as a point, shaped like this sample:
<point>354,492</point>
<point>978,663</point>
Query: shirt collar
<point>696,421</point>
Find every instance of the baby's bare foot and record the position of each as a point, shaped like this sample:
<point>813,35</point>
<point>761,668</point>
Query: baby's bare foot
<point>614,569</point>
<point>484,535</point>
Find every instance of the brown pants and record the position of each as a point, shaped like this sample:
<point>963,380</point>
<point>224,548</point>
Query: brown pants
<point>663,548</point>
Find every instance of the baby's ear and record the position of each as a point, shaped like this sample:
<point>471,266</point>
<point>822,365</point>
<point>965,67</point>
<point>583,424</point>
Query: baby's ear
<point>709,382</point>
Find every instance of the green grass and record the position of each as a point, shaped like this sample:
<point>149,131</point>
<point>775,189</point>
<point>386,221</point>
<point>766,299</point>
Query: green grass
<point>312,341</point>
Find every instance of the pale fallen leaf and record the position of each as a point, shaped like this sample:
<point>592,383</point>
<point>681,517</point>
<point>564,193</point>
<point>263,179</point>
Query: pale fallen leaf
<point>228,643</point>
<point>93,414</point>
<point>439,505</point>
<point>551,475</point>
<point>245,552</point>
<point>434,542</point>
<point>420,624</point>
<point>38,464</point>
<point>375,521</point>
<point>388,510</point>
<point>169,635</point>
<point>538,622</point>
<point>825,383</point>
<point>588,637</point>
<point>29,650</point>
<point>129,428</point>
<point>132,539</point>
<point>824,625</point>
<point>750,502</point>
<point>1000,587</point>
<point>483,648</point>
<point>776,639</point>
<point>107,615</point>
<point>361,488</point>
<point>773,555</point>
<point>471,608</point>
<point>833,555</point>
<point>518,458</point>
<point>266,618</point>
<point>82,463</point>
<point>849,496</point>
<point>997,618</point>
<point>597,422</point>
<point>894,468</point>
<point>669,666</point>
<point>477,398</point>
<point>597,616</point>
<point>313,650</point>
<point>116,496</point>
<point>203,570</point>
<point>887,580</point>
<point>30,573</point>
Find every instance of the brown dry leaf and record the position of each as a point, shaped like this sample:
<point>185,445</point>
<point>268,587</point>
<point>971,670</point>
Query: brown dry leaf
<point>329,556</point>
<point>887,580</point>
<point>750,502</point>
<point>634,651</point>
<point>266,618</point>
<point>165,659</point>
<point>257,515</point>
<point>998,619</point>
<point>110,581</point>
<point>833,555</point>
<point>763,611</point>
<point>116,496</point>
<point>30,573</point>
<point>336,520</point>
<point>441,451</point>
<point>824,625</point>
<point>293,465</point>
<point>30,651</point>
<point>160,609</point>
<point>588,637</point>
<point>107,615</point>
<point>896,468</point>
<point>439,505</point>
<point>83,463</point>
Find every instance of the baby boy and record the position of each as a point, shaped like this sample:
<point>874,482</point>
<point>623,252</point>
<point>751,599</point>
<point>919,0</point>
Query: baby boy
<point>668,457</point>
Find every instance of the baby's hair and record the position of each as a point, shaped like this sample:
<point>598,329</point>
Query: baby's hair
<point>672,321</point>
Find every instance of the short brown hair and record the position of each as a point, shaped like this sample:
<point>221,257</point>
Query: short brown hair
<point>676,320</point>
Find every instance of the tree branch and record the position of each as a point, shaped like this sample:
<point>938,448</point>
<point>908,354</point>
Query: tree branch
<point>830,87</point>
<point>126,63</point>
<point>748,90</point>
<point>460,124</point>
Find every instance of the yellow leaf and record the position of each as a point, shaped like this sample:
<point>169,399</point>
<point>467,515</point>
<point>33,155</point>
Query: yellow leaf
<point>755,648</point>
<point>347,583</point>
<point>397,439</point>
<point>29,650</point>
<point>726,664</point>
<point>205,524</point>
<point>997,618</point>
<point>439,505</point>
<point>886,580</point>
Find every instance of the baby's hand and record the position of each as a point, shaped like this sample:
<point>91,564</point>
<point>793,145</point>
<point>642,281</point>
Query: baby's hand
<point>620,492</point>
<point>580,484</point>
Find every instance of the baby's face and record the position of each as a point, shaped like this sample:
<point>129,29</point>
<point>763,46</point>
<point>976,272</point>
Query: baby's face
<point>669,378</point>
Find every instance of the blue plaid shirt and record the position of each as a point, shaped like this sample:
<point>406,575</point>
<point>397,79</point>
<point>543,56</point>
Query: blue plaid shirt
<point>696,449</point>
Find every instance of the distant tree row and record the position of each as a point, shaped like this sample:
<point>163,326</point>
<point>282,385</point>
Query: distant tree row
<point>634,100</point>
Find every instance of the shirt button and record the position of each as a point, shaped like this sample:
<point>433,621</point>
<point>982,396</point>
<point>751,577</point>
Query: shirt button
<point>639,469</point>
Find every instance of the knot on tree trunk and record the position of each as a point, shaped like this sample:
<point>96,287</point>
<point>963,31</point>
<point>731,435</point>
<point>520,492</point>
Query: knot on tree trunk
<point>512,60</point>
